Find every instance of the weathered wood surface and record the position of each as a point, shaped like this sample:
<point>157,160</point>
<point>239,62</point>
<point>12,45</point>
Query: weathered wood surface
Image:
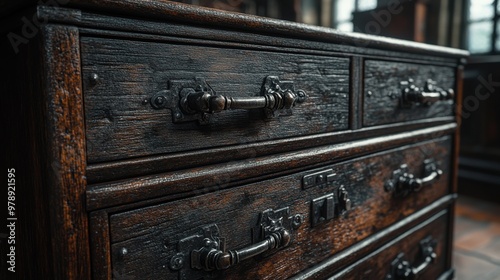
<point>46,146</point>
<point>233,173</point>
<point>338,262</point>
<point>377,264</point>
<point>112,26</point>
<point>150,234</point>
<point>119,125</point>
<point>165,10</point>
<point>382,91</point>
<point>130,168</point>
<point>66,160</point>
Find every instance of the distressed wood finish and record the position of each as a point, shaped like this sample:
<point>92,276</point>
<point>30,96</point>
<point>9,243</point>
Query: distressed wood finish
<point>377,264</point>
<point>338,262</point>
<point>119,125</point>
<point>152,182</point>
<point>167,10</point>
<point>65,130</point>
<point>194,180</point>
<point>130,168</point>
<point>382,91</point>
<point>47,148</point>
<point>113,26</point>
<point>145,232</point>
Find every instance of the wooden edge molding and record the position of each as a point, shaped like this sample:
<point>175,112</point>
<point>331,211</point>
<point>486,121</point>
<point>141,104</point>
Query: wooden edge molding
<point>66,133</point>
<point>389,236</point>
<point>183,13</point>
<point>123,169</point>
<point>157,185</point>
<point>101,245</point>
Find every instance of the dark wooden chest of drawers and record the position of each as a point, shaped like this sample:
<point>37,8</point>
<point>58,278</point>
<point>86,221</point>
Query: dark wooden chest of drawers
<point>158,140</point>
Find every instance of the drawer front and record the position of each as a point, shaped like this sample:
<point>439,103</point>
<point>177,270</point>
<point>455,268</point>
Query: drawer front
<point>385,82</point>
<point>419,253</point>
<point>123,79</point>
<point>312,207</point>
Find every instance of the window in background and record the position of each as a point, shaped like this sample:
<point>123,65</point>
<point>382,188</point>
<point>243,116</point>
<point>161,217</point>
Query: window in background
<point>342,12</point>
<point>483,26</point>
<point>498,34</point>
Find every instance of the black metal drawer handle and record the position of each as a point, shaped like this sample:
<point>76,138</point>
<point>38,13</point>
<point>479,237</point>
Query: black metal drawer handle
<point>196,100</point>
<point>209,257</point>
<point>427,95</point>
<point>206,251</point>
<point>401,269</point>
<point>403,183</point>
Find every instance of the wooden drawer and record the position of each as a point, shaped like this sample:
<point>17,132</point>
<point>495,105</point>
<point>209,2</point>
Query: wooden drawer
<point>385,82</point>
<point>122,79</point>
<point>152,242</point>
<point>423,249</point>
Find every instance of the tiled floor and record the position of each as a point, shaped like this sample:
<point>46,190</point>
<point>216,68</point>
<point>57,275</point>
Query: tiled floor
<point>477,240</point>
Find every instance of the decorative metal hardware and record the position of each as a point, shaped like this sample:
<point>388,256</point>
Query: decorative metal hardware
<point>403,270</point>
<point>323,209</point>
<point>344,202</point>
<point>332,205</point>
<point>196,100</point>
<point>204,254</point>
<point>426,96</point>
<point>318,179</point>
<point>402,183</point>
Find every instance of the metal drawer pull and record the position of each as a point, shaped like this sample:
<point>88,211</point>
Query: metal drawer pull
<point>402,269</point>
<point>210,258</point>
<point>427,95</point>
<point>206,251</point>
<point>403,183</point>
<point>195,100</point>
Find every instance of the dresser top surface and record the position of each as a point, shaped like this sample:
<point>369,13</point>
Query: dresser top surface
<point>182,13</point>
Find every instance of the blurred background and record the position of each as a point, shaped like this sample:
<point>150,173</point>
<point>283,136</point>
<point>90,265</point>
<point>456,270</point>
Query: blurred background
<point>473,25</point>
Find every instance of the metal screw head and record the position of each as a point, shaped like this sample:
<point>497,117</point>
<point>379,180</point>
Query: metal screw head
<point>159,100</point>
<point>297,221</point>
<point>123,251</point>
<point>320,179</point>
<point>177,262</point>
<point>94,78</point>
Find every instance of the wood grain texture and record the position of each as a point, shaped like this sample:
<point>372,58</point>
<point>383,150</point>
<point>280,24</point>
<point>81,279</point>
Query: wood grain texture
<point>94,24</point>
<point>382,79</point>
<point>100,245</point>
<point>119,125</point>
<point>377,264</point>
<point>356,109</point>
<point>340,261</point>
<point>66,152</point>
<point>232,173</point>
<point>143,232</point>
<point>167,10</point>
<point>129,168</point>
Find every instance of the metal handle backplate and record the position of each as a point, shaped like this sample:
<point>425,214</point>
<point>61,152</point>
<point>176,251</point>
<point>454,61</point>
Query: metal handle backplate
<point>196,100</point>
<point>426,95</point>
<point>203,254</point>
<point>402,183</point>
